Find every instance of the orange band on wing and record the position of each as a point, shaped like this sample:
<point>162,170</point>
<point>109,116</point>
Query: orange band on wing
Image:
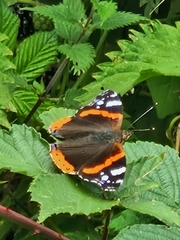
<point>60,161</point>
<point>100,112</point>
<point>107,163</point>
<point>59,123</point>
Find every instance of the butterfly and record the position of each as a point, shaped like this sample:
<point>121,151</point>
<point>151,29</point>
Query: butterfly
<point>91,142</point>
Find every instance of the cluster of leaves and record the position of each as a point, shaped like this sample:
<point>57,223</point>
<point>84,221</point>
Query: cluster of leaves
<point>149,199</point>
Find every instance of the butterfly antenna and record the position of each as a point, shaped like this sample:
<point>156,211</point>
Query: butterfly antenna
<point>142,115</point>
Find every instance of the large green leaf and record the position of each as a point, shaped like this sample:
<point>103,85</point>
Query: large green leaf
<point>152,55</point>
<point>23,150</point>
<point>60,194</point>
<point>36,54</point>
<point>149,232</point>
<point>161,200</point>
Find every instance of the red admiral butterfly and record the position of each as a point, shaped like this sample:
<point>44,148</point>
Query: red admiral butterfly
<point>91,145</point>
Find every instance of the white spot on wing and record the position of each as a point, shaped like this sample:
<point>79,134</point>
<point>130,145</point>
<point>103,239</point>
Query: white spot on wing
<point>113,103</point>
<point>104,178</point>
<point>118,171</point>
<point>100,102</point>
<point>113,94</point>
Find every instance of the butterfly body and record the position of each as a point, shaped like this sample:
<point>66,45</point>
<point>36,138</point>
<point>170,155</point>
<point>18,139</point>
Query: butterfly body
<point>91,145</point>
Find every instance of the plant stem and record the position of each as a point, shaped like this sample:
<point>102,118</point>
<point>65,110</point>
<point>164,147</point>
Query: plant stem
<point>30,224</point>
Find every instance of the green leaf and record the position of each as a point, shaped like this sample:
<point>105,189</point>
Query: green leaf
<point>9,25</point>
<point>106,9</point>
<point>149,232</point>
<point>23,150</point>
<point>36,54</point>
<point>138,61</point>
<point>81,55</point>
<point>161,200</point>
<point>124,219</point>
<point>68,18</point>
<point>51,189</point>
<point>116,20</point>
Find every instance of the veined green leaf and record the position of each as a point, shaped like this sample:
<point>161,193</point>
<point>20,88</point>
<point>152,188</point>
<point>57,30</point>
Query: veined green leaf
<point>36,54</point>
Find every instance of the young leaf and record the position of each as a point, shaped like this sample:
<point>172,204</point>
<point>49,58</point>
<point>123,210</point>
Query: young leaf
<point>116,20</point>
<point>68,18</point>
<point>23,150</point>
<point>36,54</point>
<point>81,55</point>
<point>105,10</point>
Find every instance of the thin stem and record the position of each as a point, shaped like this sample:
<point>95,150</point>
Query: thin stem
<point>48,88</point>
<point>106,225</point>
<point>30,224</point>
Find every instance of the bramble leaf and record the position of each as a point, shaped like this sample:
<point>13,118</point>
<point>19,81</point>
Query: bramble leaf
<point>36,54</point>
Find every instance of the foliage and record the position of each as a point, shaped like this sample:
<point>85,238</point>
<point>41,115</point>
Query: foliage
<point>89,38</point>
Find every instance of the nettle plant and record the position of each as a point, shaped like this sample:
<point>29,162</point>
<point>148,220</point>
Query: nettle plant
<point>146,206</point>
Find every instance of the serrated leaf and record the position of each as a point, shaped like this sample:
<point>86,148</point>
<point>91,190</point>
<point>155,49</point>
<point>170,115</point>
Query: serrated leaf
<point>23,150</point>
<point>81,55</point>
<point>57,193</point>
<point>9,25</point>
<point>106,9</point>
<point>36,54</point>
<point>67,17</point>
<point>73,10</point>
<point>68,11</point>
<point>116,20</point>
<point>54,114</point>
<point>138,61</point>
<point>149,232</point>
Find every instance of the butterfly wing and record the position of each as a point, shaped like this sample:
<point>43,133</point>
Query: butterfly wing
<point>84,151</point>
